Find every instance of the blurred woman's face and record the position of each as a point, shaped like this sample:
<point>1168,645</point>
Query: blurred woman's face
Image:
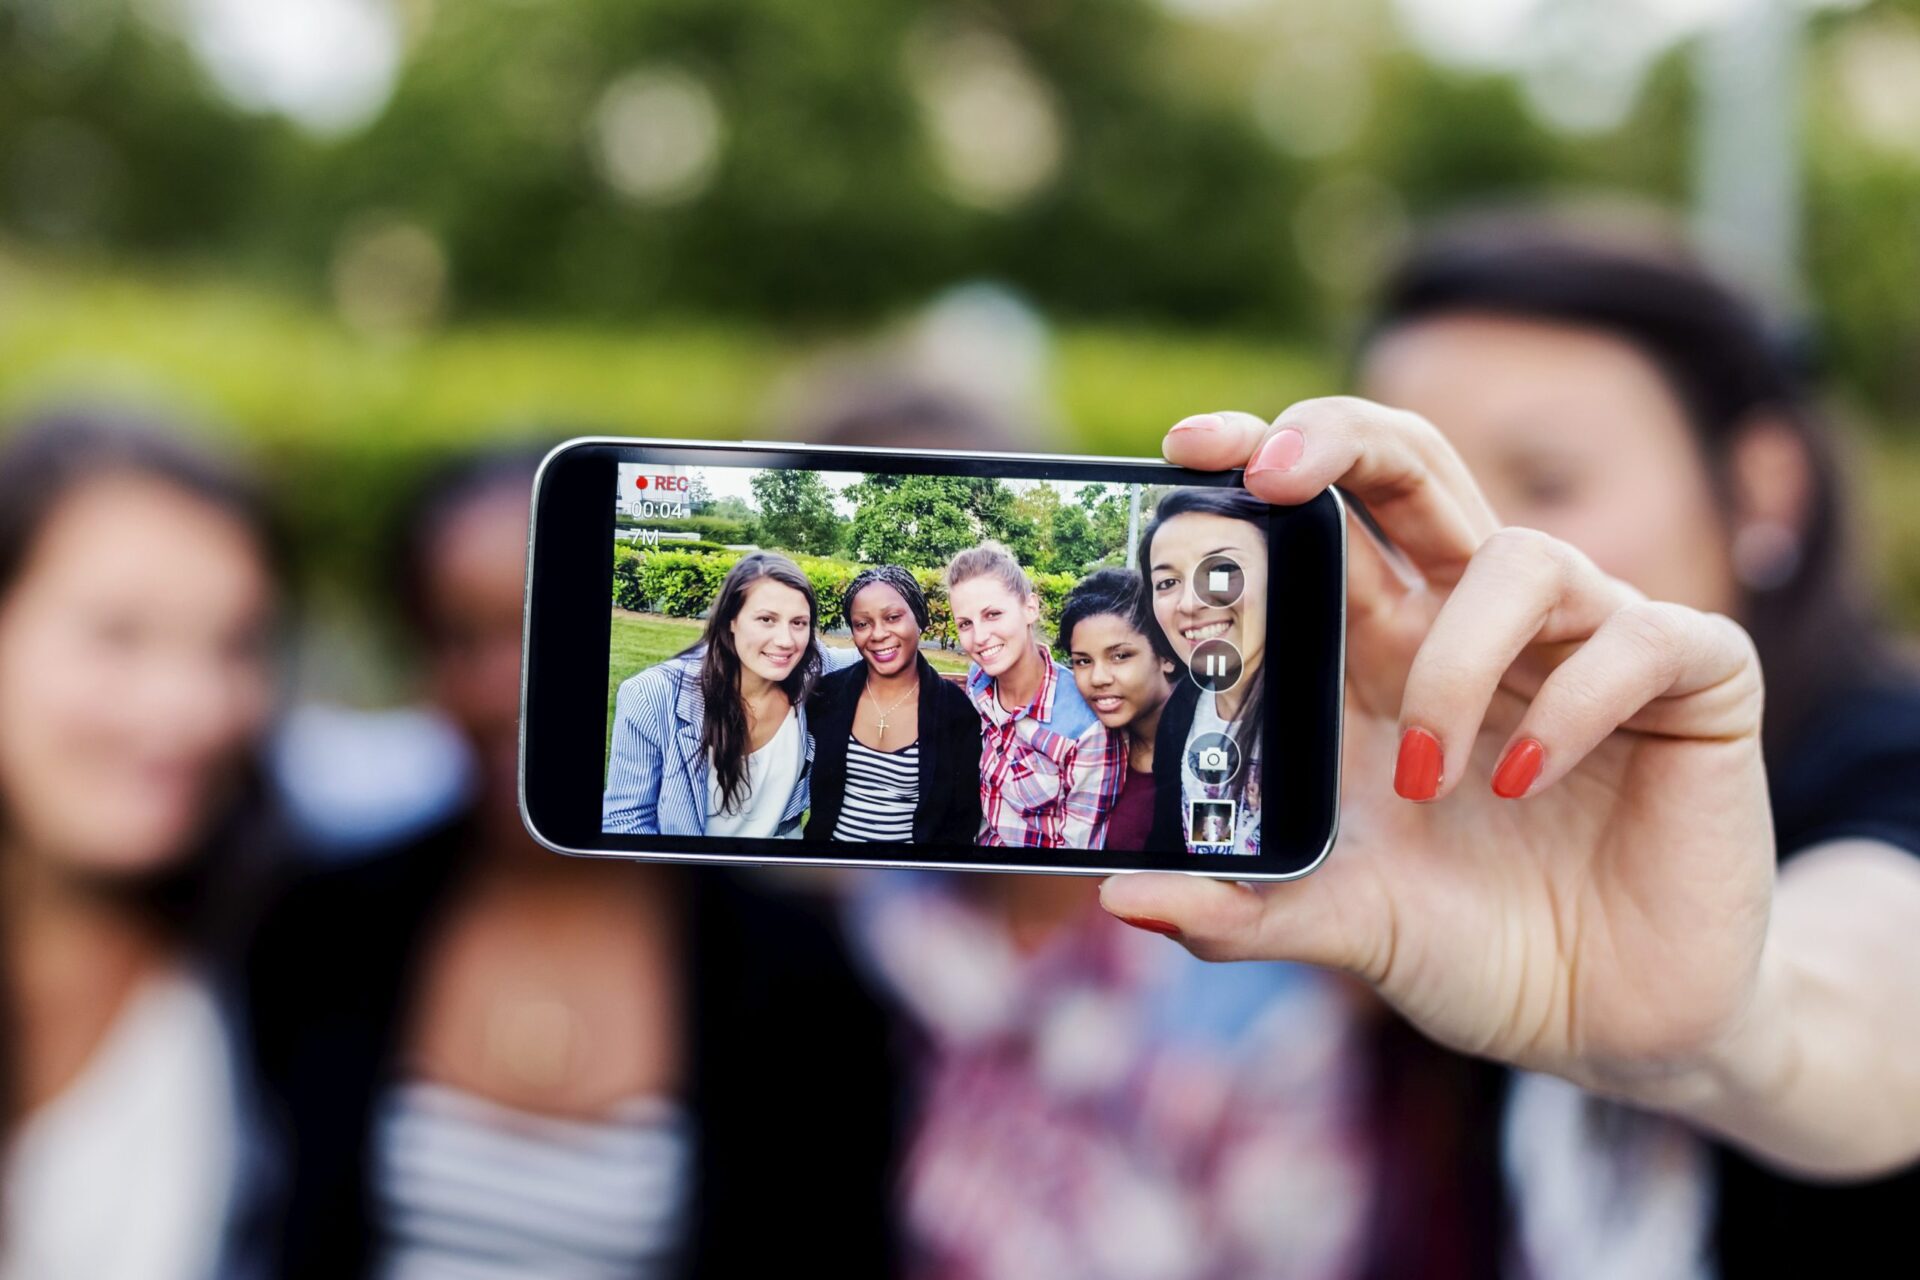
<point>1573,432</point>
<point>1117,671</point>
<point>1179,547</point>
<point>884,629</point>
<point>772,630</point>
<point>994,625</point>
<point>475,581</point>
<point>134,673</point>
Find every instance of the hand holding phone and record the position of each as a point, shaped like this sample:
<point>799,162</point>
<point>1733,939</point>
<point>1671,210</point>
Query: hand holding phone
<point>761,653</point>
<point>1556,849</point>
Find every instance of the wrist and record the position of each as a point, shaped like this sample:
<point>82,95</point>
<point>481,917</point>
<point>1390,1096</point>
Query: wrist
<point>1749,1070</point>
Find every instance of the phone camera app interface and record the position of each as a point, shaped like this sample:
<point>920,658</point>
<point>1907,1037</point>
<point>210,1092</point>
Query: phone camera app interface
<point>935,660</point>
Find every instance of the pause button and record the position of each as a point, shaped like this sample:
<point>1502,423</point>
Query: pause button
<point>1215,665</point>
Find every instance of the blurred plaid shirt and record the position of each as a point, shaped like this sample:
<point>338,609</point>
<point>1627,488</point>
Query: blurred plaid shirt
<point>1049,772</point>
<point>1105,1106</point>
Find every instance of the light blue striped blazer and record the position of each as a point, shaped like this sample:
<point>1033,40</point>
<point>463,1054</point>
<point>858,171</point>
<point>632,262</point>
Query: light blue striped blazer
<point>656,772</point>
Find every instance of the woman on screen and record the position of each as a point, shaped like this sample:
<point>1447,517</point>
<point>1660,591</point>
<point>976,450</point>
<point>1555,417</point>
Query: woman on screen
<point>713,741</point>
<point>1205,560</point>
<point>1049,770</point>
<point>1124,669</point>
<point>896,747</point>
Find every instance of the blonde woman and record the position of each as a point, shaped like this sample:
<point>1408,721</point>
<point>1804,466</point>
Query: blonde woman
<point>1049,770</point>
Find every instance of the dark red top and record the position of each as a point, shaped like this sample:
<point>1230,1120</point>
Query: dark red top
<point>1132,816</point>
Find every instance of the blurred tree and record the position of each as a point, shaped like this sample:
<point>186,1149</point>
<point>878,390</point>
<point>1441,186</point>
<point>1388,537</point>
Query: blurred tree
<point>111,135</point>
<point>784,164</point>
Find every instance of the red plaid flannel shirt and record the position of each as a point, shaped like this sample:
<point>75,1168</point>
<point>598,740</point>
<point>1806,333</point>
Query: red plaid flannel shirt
<point>1049,772</point>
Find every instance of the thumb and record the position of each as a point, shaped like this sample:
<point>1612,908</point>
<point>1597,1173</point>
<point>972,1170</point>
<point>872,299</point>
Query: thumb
<point>1226,920</point>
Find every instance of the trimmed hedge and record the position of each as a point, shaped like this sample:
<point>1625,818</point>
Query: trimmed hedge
<point>683,584</point>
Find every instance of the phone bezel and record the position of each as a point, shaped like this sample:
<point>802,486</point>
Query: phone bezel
<point>564,652</point>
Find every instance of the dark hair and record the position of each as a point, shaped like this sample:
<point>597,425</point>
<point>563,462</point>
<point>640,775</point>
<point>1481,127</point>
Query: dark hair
<point>49,458</point>
<point>443,493</point>
<point>1119,592</point>
<point>885,410</point>
<point>724,736</point>
<point>1726,370</point>
<point>43,464</point>
<point>1230,504</point>
<point>891,575</point>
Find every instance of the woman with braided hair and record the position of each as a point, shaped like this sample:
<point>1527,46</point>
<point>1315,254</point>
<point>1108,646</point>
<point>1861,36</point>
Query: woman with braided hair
<point>896,748</point>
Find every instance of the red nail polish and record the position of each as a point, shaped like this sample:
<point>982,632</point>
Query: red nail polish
<point>1151,925</point>
<point>1281,452</point>
<point>1416,774</point>
<point>1518,769</point>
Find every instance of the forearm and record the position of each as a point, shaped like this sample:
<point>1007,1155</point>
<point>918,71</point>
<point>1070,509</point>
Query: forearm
<point>1822,1077</point>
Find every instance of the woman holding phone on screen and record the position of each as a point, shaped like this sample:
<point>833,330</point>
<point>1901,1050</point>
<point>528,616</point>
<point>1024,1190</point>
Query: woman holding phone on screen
<point>714,741</point>
<point>896,747</point>
<point>1126,672</point>
<point>1049,770</point>
<point>1205,560</point>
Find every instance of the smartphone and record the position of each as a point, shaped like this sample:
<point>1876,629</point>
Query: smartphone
<point>773,653</point>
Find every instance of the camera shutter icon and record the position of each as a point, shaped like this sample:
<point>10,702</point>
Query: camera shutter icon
<point>1213,758</point>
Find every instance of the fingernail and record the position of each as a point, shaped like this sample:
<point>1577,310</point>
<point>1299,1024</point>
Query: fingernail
<point>1281,452</point>
<point>1152,925</point>
<point>1518,769</point>
<point>1198,422</point>
<point>1416,774</point>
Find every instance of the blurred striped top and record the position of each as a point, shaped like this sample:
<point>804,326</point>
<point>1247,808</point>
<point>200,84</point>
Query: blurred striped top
<point>467,1189</point>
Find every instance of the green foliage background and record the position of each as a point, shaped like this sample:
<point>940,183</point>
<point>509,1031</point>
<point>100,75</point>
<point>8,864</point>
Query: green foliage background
<point>163,247</point>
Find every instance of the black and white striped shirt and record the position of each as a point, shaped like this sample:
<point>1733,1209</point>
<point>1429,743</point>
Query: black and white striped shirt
<point>469,1189</point>
<point>883,790</point>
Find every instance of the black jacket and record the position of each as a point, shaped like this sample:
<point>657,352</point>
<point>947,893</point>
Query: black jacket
<point>949,809</point>
<point>1169,832</point>
<point>791,1081</point>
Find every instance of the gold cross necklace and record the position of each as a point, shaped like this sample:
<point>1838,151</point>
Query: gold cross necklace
<point>881,713</point>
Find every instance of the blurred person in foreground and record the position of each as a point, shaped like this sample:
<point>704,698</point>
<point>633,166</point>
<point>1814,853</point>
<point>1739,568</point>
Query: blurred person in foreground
<point>1088,1102</point>
<point>494,1060</point>
<point>136,609</point>
<point>1585,884</point>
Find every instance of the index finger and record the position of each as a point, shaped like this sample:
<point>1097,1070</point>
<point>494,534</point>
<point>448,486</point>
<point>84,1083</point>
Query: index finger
<point>1397,463</point>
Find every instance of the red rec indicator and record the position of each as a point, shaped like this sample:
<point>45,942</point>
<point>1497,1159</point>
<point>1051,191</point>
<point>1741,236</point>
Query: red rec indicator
<point>639,482</point>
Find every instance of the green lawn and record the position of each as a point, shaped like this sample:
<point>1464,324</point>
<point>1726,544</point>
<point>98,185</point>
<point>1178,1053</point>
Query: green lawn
<point>642,639</point>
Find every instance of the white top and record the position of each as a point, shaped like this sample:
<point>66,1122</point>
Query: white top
<point>468,1189</point>
<point>127,1174</point>
<point>772,773</point>
<point>1603,1192</point>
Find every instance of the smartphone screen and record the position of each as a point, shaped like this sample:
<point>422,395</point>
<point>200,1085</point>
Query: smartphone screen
<point>764,653</point>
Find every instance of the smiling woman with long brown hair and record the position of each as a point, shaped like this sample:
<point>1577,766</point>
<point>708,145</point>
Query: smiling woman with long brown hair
<point>714,741</point>
<point>136,600</point>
